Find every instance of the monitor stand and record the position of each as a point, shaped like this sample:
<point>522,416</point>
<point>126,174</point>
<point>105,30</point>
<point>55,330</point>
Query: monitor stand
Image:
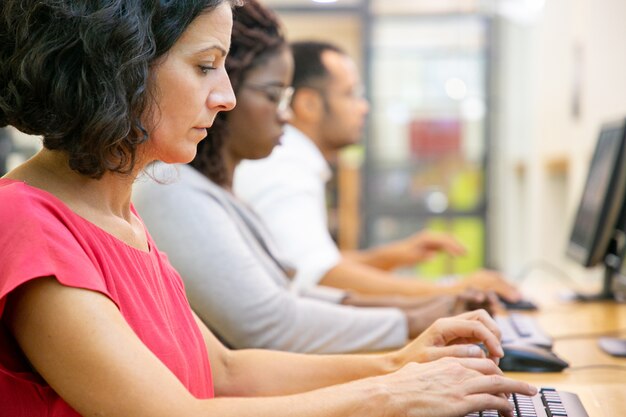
<point>612,265</point>
<point>606,293</point>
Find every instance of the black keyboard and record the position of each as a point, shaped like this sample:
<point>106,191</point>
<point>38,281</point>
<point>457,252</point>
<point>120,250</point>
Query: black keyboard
<point>520,328</point>
<point>547,403</point>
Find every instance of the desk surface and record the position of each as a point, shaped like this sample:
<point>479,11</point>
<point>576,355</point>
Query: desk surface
<point>575,328</point>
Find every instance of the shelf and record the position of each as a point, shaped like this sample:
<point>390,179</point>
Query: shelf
<point>557,165</point>
<point>554,165</point>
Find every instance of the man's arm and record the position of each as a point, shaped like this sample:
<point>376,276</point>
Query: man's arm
<point>414,249</point>
<point>358,277</point>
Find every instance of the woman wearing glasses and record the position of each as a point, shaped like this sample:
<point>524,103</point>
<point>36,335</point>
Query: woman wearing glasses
<point>235,279</point>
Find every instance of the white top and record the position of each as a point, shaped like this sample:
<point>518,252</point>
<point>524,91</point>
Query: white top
<point>288,191</point>
<point>237,282</point>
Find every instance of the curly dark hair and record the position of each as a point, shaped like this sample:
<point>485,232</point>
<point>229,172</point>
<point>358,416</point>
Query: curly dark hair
<point>77,72</point>
<point>257,36</point>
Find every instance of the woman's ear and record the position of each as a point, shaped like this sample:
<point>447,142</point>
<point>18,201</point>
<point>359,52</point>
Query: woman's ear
<point>307,105</point>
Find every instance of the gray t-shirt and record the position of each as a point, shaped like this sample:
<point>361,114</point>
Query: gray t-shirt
<point>236,282</point>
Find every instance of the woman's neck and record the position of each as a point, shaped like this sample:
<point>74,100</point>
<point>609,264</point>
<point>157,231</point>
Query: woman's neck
<point>50,171</point>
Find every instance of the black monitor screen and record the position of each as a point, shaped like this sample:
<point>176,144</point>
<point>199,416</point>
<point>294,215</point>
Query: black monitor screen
<point>602,198</point>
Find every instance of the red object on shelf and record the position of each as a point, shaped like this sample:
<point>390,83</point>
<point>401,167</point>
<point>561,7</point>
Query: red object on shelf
<point>434,138</point>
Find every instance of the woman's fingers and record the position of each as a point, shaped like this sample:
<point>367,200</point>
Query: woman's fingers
<point>484,401</point>
<point>456,351</point>
<point>474,326</point>
<point>492,390</point>
<point>498,384</point>
<point>453,386</point>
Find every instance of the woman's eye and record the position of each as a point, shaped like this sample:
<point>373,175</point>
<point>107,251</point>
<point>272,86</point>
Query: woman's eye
<point>206,68</point>
<point>274,95</point>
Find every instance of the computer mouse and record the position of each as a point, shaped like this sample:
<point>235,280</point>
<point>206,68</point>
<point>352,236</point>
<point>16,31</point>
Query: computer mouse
<point>522,304</point>
<point>528,358</point>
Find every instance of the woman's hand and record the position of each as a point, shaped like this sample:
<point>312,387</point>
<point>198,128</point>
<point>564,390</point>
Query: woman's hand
<point>487,280</point>
<point>472,299</point>
<point>454,336</point>
<point>420,318</point>
<point>446,387</point>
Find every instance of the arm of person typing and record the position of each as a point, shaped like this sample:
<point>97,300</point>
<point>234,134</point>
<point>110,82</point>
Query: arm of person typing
<point>355,276</point>
<point>79,342</point>
<point>292,373</point>
<point>298,223</point>
<point>414,249</point>
<point>358,277</point>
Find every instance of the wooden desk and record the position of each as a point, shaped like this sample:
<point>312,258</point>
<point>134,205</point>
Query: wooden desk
<point>573,325</point>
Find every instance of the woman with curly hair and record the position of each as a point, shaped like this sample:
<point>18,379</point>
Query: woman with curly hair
<point>94,320</point>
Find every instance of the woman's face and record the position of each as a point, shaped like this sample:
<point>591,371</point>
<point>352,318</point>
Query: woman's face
<point>191,86</point>
<point>256,124</point>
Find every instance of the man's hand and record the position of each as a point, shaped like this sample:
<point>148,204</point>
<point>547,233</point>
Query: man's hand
<point>424,245</point>
<point>414,249</point>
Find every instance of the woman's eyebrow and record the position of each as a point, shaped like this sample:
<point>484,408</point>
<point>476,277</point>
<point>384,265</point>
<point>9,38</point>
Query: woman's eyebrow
<point>223,51</point>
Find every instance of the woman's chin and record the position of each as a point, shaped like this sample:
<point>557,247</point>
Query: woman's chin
<point>180,158</point>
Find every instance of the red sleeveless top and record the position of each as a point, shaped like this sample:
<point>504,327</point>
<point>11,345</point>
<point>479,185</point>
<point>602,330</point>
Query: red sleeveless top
<point>40,236</point>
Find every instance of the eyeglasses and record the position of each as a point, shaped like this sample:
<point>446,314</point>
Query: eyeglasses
<point>278,94</point>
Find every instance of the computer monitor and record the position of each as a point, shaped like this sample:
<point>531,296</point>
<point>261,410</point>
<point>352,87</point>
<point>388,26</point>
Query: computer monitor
<point>599,228</point>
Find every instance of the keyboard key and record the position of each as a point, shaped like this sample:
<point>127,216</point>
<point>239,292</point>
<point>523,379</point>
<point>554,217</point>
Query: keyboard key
<point>547,403</point>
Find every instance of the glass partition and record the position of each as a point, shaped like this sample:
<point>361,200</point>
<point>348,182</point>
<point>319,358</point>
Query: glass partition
<point>426,153</point>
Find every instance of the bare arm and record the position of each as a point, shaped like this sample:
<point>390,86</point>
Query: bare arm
<point>92,359</point>
<point>357,277</point>
<point>466,301</point>
<point>244,372</point>
<point>354,276</point>
<point>373,300</point>
<point>414,249</point>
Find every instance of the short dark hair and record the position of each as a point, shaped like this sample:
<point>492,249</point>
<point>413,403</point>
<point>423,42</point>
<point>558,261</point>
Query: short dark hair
<point>308,66</point>
<point>77,72</point>
<point>257,36</point>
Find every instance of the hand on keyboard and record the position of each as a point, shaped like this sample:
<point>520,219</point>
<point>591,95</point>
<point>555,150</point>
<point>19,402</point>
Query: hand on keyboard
<point>472,299</point>
<point>447,387</point>
<point>488,280</point>
<point>548,403</point>
<point>455,336</point>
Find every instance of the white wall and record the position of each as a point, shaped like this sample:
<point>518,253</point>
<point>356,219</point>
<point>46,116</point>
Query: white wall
<point>575,44</point>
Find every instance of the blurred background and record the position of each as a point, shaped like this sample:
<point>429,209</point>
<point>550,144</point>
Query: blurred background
<point>484,115</point>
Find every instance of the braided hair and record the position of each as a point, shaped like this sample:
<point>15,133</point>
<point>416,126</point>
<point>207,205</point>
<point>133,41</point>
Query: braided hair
<point>257,36</point>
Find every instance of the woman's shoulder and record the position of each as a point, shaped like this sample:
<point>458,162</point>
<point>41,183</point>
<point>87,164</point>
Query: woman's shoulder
<point>20,199</point>
<point>22,193</point>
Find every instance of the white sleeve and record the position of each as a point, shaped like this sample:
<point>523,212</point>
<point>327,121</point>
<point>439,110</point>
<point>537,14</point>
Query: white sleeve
<point>237,298</point>
<point>294,211</point>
